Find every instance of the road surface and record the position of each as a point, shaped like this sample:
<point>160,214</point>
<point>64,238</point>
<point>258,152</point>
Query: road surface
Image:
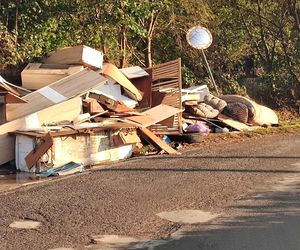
<point>236,180</point>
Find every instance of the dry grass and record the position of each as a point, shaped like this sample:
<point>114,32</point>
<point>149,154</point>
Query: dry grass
<point>285,127</point>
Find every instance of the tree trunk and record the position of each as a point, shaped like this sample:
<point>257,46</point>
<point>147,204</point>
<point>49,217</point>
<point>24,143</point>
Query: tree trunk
<point>151,26</point>
<point>123,47</point>
<point>149,52</point>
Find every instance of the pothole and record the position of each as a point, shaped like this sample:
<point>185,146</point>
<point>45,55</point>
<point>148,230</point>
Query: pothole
<point>188,216</point>
<point>25,224</point>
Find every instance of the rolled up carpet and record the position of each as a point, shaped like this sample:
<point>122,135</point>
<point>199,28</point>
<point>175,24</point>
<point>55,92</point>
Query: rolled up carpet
<point>237,110</point>
<point>258,114</point>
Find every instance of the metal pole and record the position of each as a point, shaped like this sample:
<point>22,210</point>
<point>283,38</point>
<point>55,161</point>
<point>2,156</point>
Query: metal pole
<point>209,72</point>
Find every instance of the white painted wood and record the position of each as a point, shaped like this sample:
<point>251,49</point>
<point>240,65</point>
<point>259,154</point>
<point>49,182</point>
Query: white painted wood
<point>52,95</point>
<point>24,145</point>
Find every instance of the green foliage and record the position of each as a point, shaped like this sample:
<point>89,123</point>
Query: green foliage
<point>126,30</point>
<point>231,86</point>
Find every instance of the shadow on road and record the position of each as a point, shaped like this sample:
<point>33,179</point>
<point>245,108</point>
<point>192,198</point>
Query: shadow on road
<point>270,221</point>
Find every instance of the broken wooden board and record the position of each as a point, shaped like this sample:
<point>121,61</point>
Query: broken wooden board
<point>154,115</point>
<point>114,91</point>
<point>17,90</point>
<point>62,90</point>
<point>90,105</point>
<point>67,110</point>
<point>130,137</point>
<point>5,87</point>
<point>110,103</point>
<point>113,72</point>
<point>33,157</point>
<point>232,123</point>
<point>134,72</point>
<point>156,141</point>
<point>80,54</point>
<point>11,97</point>
<point>38,75</point>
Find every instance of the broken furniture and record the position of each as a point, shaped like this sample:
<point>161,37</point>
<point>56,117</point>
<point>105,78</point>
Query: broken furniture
<point>88,116</point>
<point>40,151</point>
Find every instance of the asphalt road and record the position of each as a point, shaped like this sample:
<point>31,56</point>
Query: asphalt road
<point>236,179</point>
<point>269,221</point>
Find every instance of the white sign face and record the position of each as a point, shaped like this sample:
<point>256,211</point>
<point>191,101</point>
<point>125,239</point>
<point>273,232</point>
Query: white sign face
<point>199,37</point>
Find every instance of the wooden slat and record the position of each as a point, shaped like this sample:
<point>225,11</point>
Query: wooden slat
<point>232,123</point>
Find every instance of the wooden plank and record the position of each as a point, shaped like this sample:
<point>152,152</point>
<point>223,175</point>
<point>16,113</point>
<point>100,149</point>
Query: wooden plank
<point>156,141</point>
<point>6,87</point>
<point>37,75</point>
<point>154,115</point>
<point>67,110</point>
<point>68,87</point>
<point>113,72</point>
<point>232,123</point>
<point>33,157</point>
<point>80,54</point>
<point>16,89</point>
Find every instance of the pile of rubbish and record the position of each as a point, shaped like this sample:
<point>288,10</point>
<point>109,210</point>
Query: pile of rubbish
<point>74,111</point>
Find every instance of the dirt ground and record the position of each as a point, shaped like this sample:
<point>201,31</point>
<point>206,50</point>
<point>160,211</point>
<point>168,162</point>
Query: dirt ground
<point>124,198</point>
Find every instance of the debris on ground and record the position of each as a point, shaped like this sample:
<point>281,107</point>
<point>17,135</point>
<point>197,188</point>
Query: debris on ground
<point>74,111</point>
